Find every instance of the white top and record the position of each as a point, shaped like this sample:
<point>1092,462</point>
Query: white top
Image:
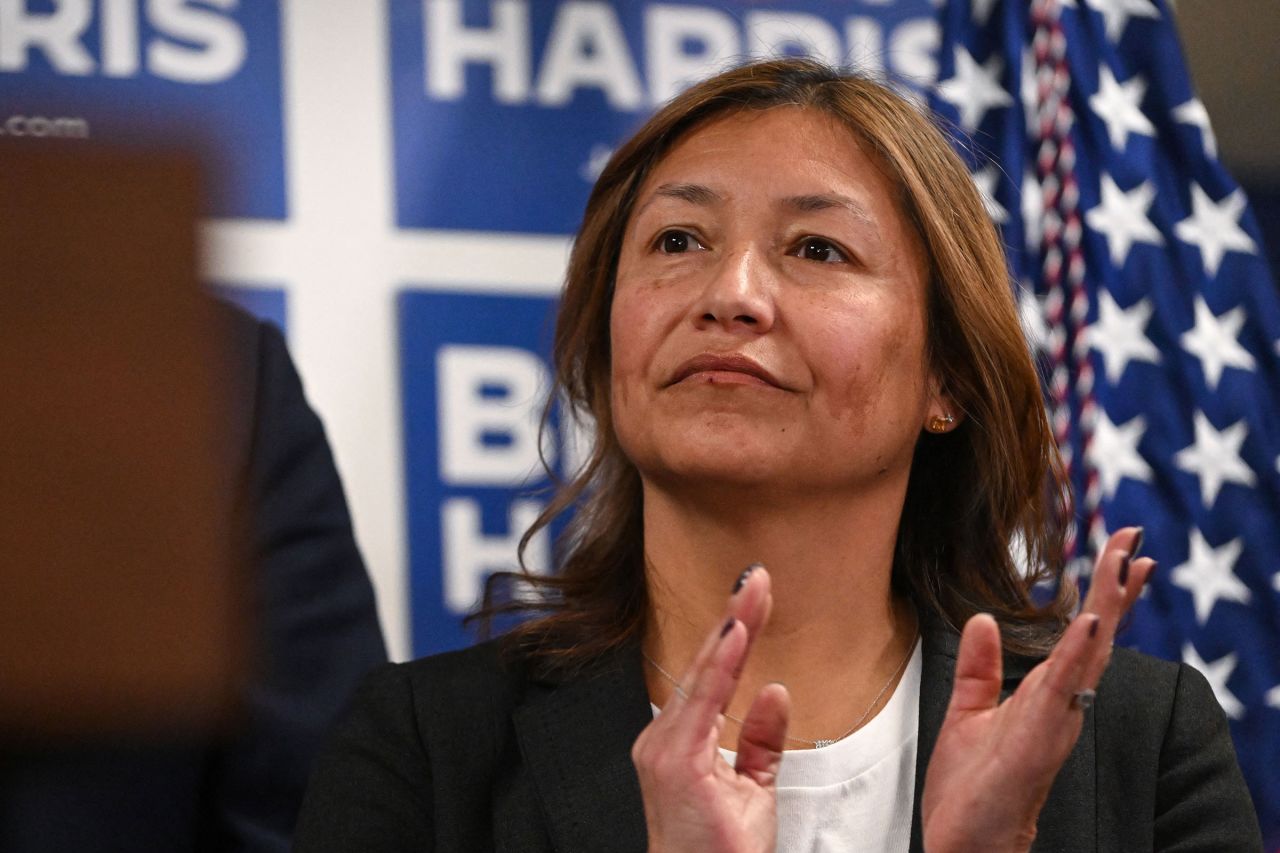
<point>856,794</point>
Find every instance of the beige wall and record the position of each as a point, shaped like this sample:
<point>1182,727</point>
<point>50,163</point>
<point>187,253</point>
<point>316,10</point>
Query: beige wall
<point>1233,47</point>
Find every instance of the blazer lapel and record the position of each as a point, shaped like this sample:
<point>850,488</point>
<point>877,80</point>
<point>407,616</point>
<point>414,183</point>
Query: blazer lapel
<point>1069,817</point>
<point>937,673</point>
<point>576,739</point>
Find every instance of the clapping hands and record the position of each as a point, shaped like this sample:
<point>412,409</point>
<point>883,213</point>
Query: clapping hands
<point>992,766</point>
<point>994,762</point>
<point>693,799</point>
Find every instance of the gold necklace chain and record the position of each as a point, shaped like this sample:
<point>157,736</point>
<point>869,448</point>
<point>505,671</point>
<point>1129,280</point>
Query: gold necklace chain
<point>820,742</point>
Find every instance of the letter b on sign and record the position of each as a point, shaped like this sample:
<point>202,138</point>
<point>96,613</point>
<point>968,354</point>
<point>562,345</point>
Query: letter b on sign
<point>490,404</point>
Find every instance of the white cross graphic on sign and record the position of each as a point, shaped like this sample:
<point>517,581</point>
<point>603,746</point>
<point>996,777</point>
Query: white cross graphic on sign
<point>341,261</point>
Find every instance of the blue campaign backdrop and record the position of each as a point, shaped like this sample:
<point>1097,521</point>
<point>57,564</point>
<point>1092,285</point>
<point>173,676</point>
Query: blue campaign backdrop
<point>201,74</point>
<point>502,112</point>
<point>505,110</point>
<point>475,369</point>
<point>266,303</point>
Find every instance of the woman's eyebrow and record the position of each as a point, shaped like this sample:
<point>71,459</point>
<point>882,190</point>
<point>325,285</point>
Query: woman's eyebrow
<point>693,193</point>
<point>827,201</point>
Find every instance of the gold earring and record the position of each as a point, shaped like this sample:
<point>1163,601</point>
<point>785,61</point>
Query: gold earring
<point>941,424</point>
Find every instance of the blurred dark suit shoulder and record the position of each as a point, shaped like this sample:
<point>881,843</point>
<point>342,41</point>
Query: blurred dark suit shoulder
<point>315,634</point>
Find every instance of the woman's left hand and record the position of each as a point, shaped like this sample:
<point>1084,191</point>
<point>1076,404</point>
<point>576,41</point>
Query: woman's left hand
<point>994,762</point>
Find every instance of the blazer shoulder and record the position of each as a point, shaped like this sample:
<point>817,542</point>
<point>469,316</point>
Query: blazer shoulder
<point>1165,750</point>
<point>480,663</point>
<point>468,694</point>
<point>1137,670</point>
<point>1136,698</point>
<point>1140,683</point>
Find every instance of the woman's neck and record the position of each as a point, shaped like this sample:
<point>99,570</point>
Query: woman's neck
<point>835,620</point>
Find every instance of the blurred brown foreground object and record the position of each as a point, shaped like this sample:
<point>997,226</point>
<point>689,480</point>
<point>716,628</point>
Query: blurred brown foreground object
<point>119,607</point>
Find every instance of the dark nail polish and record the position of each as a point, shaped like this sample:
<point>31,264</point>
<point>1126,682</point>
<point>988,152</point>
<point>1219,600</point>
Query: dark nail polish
<point>1124,569</point>
<point>742,578</point>
<point>1137,543</point>
<point>728,626</point>
<point>1093,627</point>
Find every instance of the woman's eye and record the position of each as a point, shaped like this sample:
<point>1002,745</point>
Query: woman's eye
<point>818,249</point>
<point>674,242</point>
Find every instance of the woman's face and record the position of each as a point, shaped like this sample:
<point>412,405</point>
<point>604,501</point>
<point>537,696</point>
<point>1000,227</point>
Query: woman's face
<point>768,321</point>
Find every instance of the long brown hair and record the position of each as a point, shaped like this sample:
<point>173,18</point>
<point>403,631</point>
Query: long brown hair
<point>972,493</point>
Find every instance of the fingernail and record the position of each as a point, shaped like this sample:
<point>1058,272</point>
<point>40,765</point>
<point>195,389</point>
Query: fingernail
<point>742,578</point>
<point>1093,626</point>
<point>1137,543</point>
<point>1124,569</point>
<point>728,626</point>
<point>1151,573</point>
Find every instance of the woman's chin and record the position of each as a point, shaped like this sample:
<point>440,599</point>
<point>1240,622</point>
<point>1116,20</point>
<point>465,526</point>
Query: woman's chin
<point>699,462</point>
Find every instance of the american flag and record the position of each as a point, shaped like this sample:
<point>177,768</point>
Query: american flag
<point>1145,289</point>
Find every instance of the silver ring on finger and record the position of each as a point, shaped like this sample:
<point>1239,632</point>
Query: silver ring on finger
<point>1082,699</point>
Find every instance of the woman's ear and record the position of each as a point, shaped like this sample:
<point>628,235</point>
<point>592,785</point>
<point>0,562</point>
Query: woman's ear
<point>942,414</point>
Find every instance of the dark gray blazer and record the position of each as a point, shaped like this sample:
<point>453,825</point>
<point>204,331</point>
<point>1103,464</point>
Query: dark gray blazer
<point>315,629</point>
<point>463,753</point>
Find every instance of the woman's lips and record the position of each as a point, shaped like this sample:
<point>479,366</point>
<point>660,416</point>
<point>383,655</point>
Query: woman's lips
<point>726,369</point>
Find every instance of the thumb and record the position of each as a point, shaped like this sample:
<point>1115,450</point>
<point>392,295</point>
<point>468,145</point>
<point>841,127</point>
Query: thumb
<point>979,668</point>
<point>764,732</point>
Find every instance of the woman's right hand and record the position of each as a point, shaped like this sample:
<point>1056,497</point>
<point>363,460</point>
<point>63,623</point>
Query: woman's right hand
<point>693,799</point>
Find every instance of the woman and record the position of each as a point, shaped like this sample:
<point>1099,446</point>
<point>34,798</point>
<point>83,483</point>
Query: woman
<point>788,316</point>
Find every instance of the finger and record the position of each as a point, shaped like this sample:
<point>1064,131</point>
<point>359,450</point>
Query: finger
<point>1116,583</point>
<point>1139,572</point>
<point>751,603</point>
<point>711,690</point>
<point>700,662</point>
<point>764,733</point>
<point>1067,669</point>
<point>1107,593</point>
<point>979,667</point>
<point>750,595</point>
<point>707,688</point>
<point>1047,721</point>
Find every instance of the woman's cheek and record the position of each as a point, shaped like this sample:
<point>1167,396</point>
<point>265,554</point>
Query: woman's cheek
<point>632,349</point>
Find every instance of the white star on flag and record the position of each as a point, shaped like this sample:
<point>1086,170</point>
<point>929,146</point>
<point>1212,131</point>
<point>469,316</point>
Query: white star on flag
<point>1194,113</point>
<point>1028,93</point>
<point>1217,673</point>
<point>1215,227</point>
<point>1164,367</point>
<point>1116,13</point>
<point>1215,457</point>
<point>1117,105</point>
<point>1032,212</point>
<point>1120,334</point>
<point>975,88</point>
<point>1209,575</point>
<point>1031,312</point>
<point>981,10</point>
<point>1114,452</point>
<point>1121,217</point>
<point>985,180</point>
<point>1213,341</point>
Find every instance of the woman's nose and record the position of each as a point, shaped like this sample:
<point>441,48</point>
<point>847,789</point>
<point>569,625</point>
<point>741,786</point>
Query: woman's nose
<point>738,295</point>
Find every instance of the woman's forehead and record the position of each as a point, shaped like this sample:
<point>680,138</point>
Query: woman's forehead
<point>794,151</point>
